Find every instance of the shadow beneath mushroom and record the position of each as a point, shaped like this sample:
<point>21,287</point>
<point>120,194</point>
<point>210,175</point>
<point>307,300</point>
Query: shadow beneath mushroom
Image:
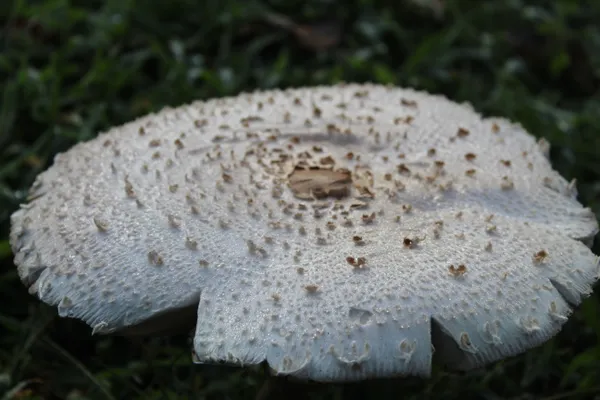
<point>171,322</point>
<point>283,387</point>
<point>289,388</point>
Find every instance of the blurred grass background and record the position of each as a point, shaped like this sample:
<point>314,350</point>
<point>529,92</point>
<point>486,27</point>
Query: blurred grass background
<point>69,69</point>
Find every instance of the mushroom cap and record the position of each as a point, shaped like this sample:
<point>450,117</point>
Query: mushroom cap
<point>337,232</point>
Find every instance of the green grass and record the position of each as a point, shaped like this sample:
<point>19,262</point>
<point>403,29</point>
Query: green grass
<point>69,69</point>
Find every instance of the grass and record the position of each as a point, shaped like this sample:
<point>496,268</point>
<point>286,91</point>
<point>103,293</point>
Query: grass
<point>69,69</point>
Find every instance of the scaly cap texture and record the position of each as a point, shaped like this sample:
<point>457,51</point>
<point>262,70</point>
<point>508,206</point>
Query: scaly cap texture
<point>337,232</point>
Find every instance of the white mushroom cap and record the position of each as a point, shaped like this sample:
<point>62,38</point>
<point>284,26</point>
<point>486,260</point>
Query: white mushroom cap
<point>335,232</point>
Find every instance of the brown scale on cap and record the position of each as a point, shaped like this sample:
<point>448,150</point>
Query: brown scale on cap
<point>320,183</point>
<point>460,270</point>
<point>470,156</point>
<point>311,288</point>
<point>357,262</point>
<point>540,256</point>
<point>154,258</point>
<point>462,132</point>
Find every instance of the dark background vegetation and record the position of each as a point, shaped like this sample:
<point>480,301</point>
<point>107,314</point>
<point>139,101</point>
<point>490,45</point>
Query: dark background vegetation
<point>69,69</point>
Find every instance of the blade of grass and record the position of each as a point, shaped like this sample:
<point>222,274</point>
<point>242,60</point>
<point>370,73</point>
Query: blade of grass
<point>88,374</point>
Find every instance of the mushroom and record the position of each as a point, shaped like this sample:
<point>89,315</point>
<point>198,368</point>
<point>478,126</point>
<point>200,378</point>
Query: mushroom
<point>335,232</point>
